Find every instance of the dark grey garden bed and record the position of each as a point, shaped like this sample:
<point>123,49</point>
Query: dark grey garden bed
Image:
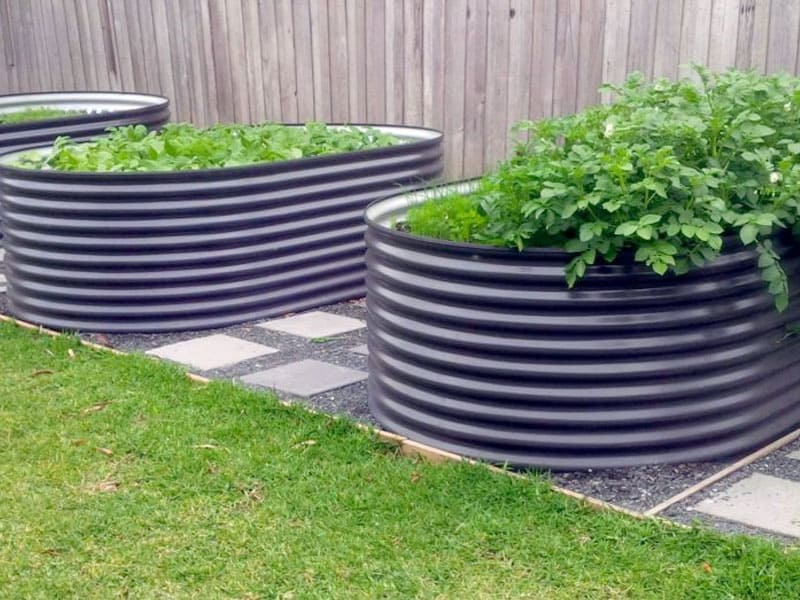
<point>102,110</point>
<point>148,252</point>
<point>485,352</point>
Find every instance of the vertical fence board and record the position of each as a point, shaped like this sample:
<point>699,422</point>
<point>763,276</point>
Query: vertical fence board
<point>543,57</point>
<point>393,52</point>
<point>615,47</point>
<point>590,53</point>
<point>455,78</point>
<point>475,88</point>
<point>725,31</point>
<point>412,61</point>
<point>304,65</point>
<point>694,35</point>
<point>433,68</point>
<point>339,66</point>
<point>565,85</point>
<point>497,57</point>
<point>519,65</point>
<point>320,65</point>
<point>782,41</point>
<point>666,53</point>
<point>375,35</point>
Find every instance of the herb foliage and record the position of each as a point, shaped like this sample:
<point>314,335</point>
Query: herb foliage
<point>666,171</point>
<point>182,147</point>
<point>36,114</point>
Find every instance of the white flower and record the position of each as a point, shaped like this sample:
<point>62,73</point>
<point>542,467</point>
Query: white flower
<point>787,107</point>
<point>774,177</point>
<point>609,129</point>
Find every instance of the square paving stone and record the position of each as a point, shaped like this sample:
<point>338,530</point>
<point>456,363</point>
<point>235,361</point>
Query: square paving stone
<point>795,455</point>
<point>211,352</point>
<point>2,283</point>
<point>360,349</point>
<point>760,500</point>
<point>305,377</point>
<point>316,324</point>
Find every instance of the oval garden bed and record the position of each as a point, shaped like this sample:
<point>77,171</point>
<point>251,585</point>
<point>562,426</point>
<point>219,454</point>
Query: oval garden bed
<point>28,120</point>
<point>622,291</point>
<point>200,248</point>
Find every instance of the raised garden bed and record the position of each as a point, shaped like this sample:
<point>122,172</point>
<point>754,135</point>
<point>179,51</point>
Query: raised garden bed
<point>170,251</point>
<point>94,112</point>
<point>485,352</point>
<point>621,291</point>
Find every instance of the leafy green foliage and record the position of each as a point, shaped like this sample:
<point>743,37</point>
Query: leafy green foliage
<point>666,171</point>
<point>455,218</point>
<point>182,147</point>
<point>36,114</point>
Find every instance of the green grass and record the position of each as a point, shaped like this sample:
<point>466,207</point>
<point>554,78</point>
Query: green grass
<point>36,114</point>
<point>119,477</point>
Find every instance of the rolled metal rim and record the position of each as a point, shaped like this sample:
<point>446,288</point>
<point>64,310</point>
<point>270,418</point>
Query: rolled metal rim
<point>98,106</point>
<point>416,136</point>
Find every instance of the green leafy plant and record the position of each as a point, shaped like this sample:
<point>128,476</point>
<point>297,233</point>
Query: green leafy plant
<point>182,147</point>
<point>36,114</point>
<point>665,171</point>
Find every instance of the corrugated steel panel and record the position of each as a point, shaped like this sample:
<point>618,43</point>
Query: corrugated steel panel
<point>148,252</point>
<point>104,109</point>
<point>485,352</point>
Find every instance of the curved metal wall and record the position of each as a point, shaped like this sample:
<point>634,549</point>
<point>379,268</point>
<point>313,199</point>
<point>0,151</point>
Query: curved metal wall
<point>486,353</point>
<point>148,252</point>
<point>104,109</point>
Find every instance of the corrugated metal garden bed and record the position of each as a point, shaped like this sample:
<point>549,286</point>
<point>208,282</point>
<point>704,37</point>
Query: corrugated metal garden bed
<point>171,251</point>
<point>485,352</point>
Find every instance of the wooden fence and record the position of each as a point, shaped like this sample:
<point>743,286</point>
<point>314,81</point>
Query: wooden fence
<point>470,67</point>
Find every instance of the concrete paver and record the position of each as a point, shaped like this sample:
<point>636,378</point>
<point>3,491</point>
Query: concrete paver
<point>760,500</point>
<point>315,324</point>
<point>305,377</point>
<point>212,351</point>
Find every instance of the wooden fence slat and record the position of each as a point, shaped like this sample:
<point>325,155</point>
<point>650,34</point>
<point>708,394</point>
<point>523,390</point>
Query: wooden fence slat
<point>725,31</point>
<point>237,65</point>
<point>356,61</point>
<point>782,41</point>
<point>339,67</point>
<point>497,60</point>
<point>642,36</point>
<point>694,35</point>
<point>565,85</point>
<point>412,62</point>
<point>395,71</point>
<point>590,53</point>
<point>270,61</point>
<point>304,64</point>
<point>475,88</point>
<point>433,66</point>
<point>667,50</point>
<point>455,59</point>
<point>541,79</point>
<point>375,34</point>
<point>615,43</point>
<point>520,43</point>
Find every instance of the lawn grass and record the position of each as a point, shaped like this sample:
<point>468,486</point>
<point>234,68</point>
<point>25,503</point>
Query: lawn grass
<point>119,477</point>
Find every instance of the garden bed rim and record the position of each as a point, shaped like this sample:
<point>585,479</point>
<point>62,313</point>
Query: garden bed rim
<point>425,137</point>
<point>42,99</point>
<point>381,213</point>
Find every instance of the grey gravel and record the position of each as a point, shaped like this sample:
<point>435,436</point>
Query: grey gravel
<point>777,464</point>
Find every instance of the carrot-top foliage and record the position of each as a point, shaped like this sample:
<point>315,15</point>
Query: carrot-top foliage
<point>666,171</point>
<point>36,114</point>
